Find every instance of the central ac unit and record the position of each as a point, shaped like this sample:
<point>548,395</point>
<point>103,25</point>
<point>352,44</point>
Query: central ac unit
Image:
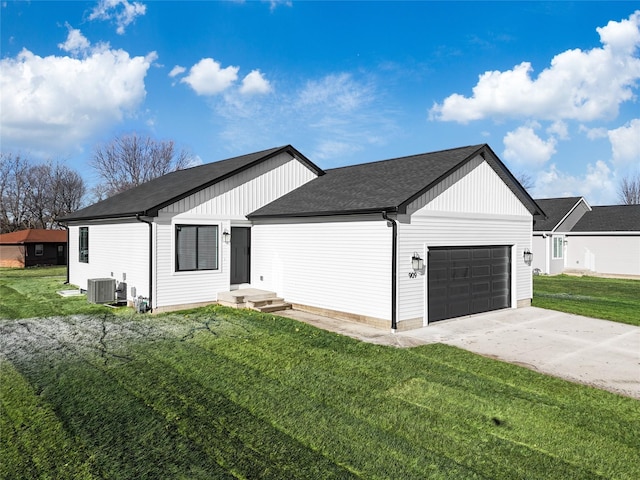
<point>101,290</point>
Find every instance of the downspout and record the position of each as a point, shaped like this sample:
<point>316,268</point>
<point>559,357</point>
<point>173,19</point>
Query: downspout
<point>66,227</point>
<point>394,269</point>
<point>140,219</point>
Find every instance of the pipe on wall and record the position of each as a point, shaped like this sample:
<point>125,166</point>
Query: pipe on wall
<point>150,258</point>
<point>394,269</point>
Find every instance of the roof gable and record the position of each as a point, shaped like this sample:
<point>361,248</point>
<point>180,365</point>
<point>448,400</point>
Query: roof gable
<point>388,185</point>
<point>148,198</point>
<point>556,209</point>
<point>34,235</point>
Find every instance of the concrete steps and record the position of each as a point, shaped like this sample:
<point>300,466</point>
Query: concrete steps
<point>254,299</point>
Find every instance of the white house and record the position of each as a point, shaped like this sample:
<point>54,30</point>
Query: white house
<point>576,237</point>
<point>396,244</point>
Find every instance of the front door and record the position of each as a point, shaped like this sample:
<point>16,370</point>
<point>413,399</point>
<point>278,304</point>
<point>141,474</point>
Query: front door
<point>62,255</point>
<point>240,255</point>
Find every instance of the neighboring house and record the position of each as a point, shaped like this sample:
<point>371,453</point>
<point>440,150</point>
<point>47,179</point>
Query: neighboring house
<point>29,248</point>
<point>397,243</point>
<point>576,237</point>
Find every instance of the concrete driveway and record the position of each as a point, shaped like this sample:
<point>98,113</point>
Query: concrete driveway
<point>595,352</point>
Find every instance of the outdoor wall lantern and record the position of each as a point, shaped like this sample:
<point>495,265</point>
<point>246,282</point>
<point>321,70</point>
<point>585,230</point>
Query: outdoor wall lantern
<point>528,256</point>
<point>417,263</point>
<point>226,236</point>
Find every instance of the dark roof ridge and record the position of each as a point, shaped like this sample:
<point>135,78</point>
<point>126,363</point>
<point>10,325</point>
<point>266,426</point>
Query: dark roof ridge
<point>560,198</point>
<point>637,205</point>
<point>404,157</point>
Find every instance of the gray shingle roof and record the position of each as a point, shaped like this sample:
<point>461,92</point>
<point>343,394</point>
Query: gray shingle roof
<point>148,198</point>
<point>556,209</point>
<point>614,218</point>
<point>387,185</point>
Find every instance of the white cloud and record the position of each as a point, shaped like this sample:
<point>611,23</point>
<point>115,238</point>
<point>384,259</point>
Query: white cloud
<point>273,4</point>
<point>76,43</point>
<point>336,115</point>
<point>559,129</point>
<point>579,85</point>
<point>524,147</point>
<point>254,83</point>
<point>54,103</point>
<point>207,78</point>
<point>177,70</point>
<point>625,143</point>
<point>596,184</point>
<point>594,133</point>
<point>337,92</point>
<point>122,12</point>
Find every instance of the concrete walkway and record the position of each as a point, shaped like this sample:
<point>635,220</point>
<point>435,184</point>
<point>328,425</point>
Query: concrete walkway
<point>594,352</point>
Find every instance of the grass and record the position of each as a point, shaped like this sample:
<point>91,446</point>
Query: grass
<point>221,393</point>
<point>31,292</point>
<point>606,298</point>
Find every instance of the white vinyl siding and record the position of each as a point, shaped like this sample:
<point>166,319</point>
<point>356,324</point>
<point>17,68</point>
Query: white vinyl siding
<point>222,204</point>
<point>473,188</point>
<point>472,207</point>
<point>609,254</point>
<point>247,191</point>
<point>458,231</point>
<point>539,249</point>
<point>174,287</point>
<point>332,263</point>
<point>117,250</point>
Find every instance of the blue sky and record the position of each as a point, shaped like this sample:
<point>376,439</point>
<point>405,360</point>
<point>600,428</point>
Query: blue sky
<point>552,87</point>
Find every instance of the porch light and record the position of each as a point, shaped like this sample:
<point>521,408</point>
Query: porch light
<point>226,236</point>
<point>417,263</point>
<point>528,256</point>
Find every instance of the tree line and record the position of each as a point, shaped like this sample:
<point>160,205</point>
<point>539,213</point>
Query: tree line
<point>36,195</point>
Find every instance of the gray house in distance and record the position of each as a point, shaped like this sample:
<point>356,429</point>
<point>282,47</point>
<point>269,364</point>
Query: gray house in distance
<point>576,237</point>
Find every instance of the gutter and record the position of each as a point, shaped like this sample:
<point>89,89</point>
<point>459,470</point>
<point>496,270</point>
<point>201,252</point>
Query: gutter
<point>394,269</point>
<point>138,218</point>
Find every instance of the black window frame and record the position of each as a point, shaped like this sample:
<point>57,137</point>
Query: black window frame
<point>39,252</point>
<point>198,258</point>
<point>83,245</point>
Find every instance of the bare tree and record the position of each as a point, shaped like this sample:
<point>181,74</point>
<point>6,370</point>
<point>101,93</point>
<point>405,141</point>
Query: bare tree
<point>68,193</point>
<point>629,190</point>
<point>131,160</point>
<point>36,195</point>
<point>13,189</point>
<point>525,180</point>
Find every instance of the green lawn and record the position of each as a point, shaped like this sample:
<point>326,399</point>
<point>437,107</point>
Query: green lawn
<point>611,299</point>
<point>221,393</point>
<point>31,292</point>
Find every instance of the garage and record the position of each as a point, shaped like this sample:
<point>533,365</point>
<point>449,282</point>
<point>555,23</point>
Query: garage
<point>467,280</point>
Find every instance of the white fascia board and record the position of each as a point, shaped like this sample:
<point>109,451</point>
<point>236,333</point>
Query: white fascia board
<point>570,212</point>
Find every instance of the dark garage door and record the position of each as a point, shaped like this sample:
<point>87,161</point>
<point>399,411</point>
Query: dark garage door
<point>466,280</point>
